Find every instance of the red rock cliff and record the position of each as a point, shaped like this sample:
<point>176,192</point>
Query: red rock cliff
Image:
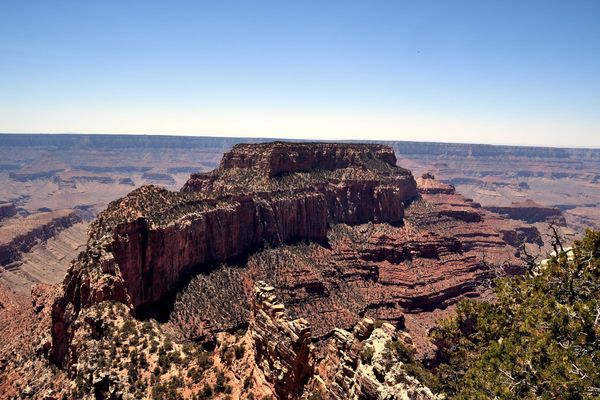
<point>279,158</point>
<point>277,193</point>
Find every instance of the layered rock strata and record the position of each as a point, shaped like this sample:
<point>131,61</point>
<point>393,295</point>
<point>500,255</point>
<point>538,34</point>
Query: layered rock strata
<point>429,185</point>
<point>531,212</point>
<point>143,246</point>
<point>447,249</point>
<point>354,183</point>
<point>366,363</point>
<point>20,236</point>
<point>378,245</point>
<point>283,348</point>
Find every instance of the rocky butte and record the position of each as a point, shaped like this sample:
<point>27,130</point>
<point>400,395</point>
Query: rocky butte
<point>315,250</point>
<point>531,212</point>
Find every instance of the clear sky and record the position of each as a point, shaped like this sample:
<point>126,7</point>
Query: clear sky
<point>515,72</point>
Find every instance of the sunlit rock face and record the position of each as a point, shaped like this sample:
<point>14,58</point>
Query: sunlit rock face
<point>338,230</point>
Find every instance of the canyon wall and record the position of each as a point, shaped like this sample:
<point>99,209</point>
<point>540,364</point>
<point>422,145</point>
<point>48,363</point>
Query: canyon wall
<point>447,249</point>
<point>154,257</point>
<point>22,235</point>
<point>151,240</point>
<point>356,236</point>
<point>153,260</point>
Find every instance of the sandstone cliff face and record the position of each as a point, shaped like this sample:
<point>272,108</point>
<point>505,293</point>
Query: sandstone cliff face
<point>240,216</point>
<point>360,364</point>
<point>405,274</point>
<point>359,183</point>
<point>153,239</point>
<point>154,259</point>
<point>350,238</point>
<point>283,348</point>
<point>447,249</point>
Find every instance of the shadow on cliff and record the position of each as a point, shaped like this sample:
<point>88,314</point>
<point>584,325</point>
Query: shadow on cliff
<point>162,309</point>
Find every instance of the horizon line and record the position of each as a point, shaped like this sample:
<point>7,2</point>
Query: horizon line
<point>299,139</point>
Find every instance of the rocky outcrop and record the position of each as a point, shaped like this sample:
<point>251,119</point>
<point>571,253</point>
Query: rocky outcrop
<point>429,185</point>
<point>20,236</point>
<point>92,278</point>
<point>531,212</point>
<point>358,183</point>
<point>153,258</point>
<point>401,274</point>
<point>369,363</point>
<point>283,348</point>
<point>7,210</point>
<point>462,210</point>
<point>365,363</point>
<point>376,247</point>
<point>222,216</point>
<point>152,239</point>
<point>412,255</point>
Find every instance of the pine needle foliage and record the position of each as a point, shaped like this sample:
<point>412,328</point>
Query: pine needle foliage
<point>540,339</point>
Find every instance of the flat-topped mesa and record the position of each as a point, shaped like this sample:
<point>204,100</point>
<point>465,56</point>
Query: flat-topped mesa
<point>358,183</point>
<point>530,211</point>
<point>160,236</point>
<point>281,158</point>
<point>297,166</point>
<point>427,184</point>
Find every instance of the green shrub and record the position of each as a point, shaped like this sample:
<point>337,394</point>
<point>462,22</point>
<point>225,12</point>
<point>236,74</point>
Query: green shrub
<point>316,396</point>
<point>203,359</point>
<point>403,353</point>
<point>239,351</point>
<point>220,384</point>
<point>366,355</point>
<point>539,339</point>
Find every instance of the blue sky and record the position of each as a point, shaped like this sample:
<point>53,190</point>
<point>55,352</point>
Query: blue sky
<point>522,72</point>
